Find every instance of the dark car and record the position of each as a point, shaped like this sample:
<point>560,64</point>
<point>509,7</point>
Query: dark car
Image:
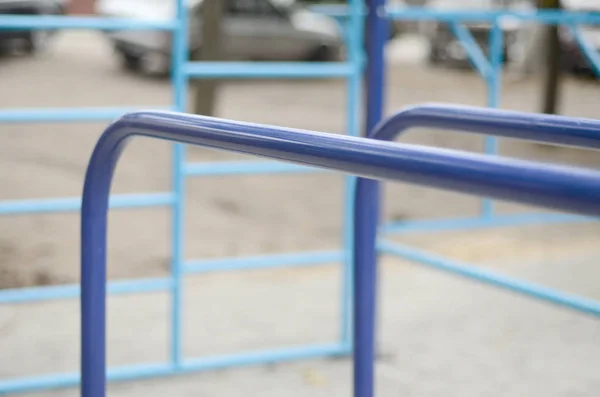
<point>573,58</point>
<point>29,41</point>
<point>446,48</point>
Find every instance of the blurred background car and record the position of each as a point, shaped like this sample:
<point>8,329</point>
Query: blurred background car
<point>29,41</point>
<point>276,30</point>
<point>573,58</point>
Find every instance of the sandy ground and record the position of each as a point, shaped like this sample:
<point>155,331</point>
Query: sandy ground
<point>441,335</point>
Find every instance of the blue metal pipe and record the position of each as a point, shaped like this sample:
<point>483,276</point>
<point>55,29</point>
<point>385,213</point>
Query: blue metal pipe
<point>27,22</point>
<point>150,370</point>
<point>61,115</point>
<point>269,70</point>
<point>550,17</point>
<point>524,182</point>
<point>70,204</point>
<point>456,268</point>
<point>498,220</point>
<point>590,51</point>
<point>245,168</point>
<point>559,130</point>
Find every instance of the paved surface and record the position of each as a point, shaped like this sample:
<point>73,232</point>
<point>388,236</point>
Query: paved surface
<point>440,335</point>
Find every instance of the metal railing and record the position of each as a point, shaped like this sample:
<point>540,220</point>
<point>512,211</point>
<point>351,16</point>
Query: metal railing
<point>559,188</point>
<point>182,71</point>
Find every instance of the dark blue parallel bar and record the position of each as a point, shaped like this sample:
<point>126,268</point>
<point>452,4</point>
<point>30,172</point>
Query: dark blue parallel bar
<point>269,70</point>
<point>70,204</point>
<point>559,130</point>
<point>59,115</point>
<point>561,188</point>
<point>26,22</point>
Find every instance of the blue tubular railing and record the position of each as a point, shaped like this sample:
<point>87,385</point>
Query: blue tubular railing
<point>583,133</point>
<point>562,188</point>
<point>489,67</point>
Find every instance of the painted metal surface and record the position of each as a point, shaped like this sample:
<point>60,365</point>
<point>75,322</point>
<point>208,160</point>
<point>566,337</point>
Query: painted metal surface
<point>563,188</point>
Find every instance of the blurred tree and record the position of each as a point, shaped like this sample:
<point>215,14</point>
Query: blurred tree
<point>552,75</point>
<point>206,90</point>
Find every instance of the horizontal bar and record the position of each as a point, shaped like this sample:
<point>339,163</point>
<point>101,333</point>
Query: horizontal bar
<point>263,261</point>
<point>47,293</point>
<point>27,22</point>
<point>550,17</point>
<point>271,70</point>
<point>193,365</point>
<point>488,277</point>
<point>59,115</point>
<point>498,220</point>
<point>69,204</point>
<point>245,167</point>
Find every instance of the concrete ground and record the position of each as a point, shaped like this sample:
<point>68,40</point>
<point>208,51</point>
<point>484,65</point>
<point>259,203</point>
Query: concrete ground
<point>440,335</point>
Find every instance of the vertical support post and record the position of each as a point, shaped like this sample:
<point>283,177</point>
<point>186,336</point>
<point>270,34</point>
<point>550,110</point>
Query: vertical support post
<point>353,31</point>
<point>179,57</point>
<point>494,84</point>
<point>366,212</point>
<point>365,278</point>
<point>376,38</point>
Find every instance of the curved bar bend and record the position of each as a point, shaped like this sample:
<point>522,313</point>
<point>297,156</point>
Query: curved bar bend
<point>554,187</point>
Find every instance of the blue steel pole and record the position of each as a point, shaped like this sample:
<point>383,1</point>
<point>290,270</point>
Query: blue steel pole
<point>354,34</point>
<point>365,276</point>
<point>180,93</point>
<point>365,265</point>
<point>493,81</point>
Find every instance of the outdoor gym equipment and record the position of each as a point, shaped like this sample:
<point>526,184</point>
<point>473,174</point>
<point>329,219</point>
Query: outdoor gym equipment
<point>559,188</point>
<point>359,64</point>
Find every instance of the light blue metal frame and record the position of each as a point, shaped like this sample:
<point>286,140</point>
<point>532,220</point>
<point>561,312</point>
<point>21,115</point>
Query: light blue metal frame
<point>490,70</point>
<point>182,71</point>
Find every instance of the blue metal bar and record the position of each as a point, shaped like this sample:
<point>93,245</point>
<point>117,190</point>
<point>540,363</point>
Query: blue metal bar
<point>525,182</point>
<point>449,15</point>
<point>269,70</point>
<point>27,22</point>
<point>532,290</point>
<point>559,130</point>
<point>179,59</point>
<point>222,168</point>
<point>70,204</point>
<point>31,294</point>
<point>67,115</point>
<point>149,370</point>
<point>263,261</point>
<point>590,51</point>
<point>494,86</point>
<point>354,29</point>
<point>58,292</point>
<point>364,319</point>
<point>498,220</point>
<point>474,52</point>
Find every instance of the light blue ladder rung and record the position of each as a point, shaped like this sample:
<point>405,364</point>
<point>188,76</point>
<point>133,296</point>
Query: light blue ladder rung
<point>70,204</point>
<point>57,115</point>
<point>223,168</point>
<point>251,70</point>
<point>26,22</point>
